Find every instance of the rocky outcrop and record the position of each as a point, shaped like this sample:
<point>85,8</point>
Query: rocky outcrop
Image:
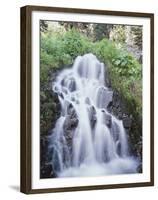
<point>108,121</point>
<point>46,168</point>
<point>49,113</point>
<point>92,115</point>
<point>127,122</point>
<point>132,123</point>
<point>70,123</point>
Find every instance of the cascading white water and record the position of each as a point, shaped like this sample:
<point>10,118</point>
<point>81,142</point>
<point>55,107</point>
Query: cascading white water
<point>99,142</point>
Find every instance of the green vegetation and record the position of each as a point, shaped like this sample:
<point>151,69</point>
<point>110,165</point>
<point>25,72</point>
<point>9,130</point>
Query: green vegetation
<point>60,48</point>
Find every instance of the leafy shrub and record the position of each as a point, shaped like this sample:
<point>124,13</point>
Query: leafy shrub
<point>126,65</point>
<point>75,44</point>
<point>105,50</point>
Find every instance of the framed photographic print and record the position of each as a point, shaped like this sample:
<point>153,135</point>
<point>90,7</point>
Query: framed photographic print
<point>87,99</point>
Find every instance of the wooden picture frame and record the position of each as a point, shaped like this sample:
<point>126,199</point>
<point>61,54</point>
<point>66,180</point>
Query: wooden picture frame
<point>27,106</point>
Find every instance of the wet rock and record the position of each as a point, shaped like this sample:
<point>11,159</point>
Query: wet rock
<point>61,95</point>
<point>109,106</point>
<point>92,116</point>
<point>104,97</point>
<point>69,83</point>
<point>139,168</point>
<point>72,85</point>
<point>70,123</point>
<point>47,171</point>
<point>119,114</point>
<point>117,106</point>
<point>127,122</point>
<point>108,120</point>
<point>71,111</point>
<point>93,121</point>
<point>44,142</point>
<point>92,110</point>
<point>69,126</point>
<point>115,131</point>
<point>118,148</point>
<point>56,161</point>
<point>71,120</point>
<point>68,135</point>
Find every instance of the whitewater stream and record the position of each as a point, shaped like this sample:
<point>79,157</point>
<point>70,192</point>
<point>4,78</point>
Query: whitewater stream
<point>98,143</point>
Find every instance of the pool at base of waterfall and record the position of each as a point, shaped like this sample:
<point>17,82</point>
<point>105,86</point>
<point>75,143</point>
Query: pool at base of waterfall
<point>116,166</point>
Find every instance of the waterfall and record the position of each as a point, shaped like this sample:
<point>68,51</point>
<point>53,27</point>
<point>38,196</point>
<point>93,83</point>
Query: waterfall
<point>87,140</point>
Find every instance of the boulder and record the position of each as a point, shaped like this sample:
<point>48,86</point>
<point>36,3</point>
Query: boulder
<point>69,83</point>
<point>72,85</point>
<point>104,97</point>
<point>71,111</point>
<point>108,120</point>
<point>92,115</point>
<point>70,123</point>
